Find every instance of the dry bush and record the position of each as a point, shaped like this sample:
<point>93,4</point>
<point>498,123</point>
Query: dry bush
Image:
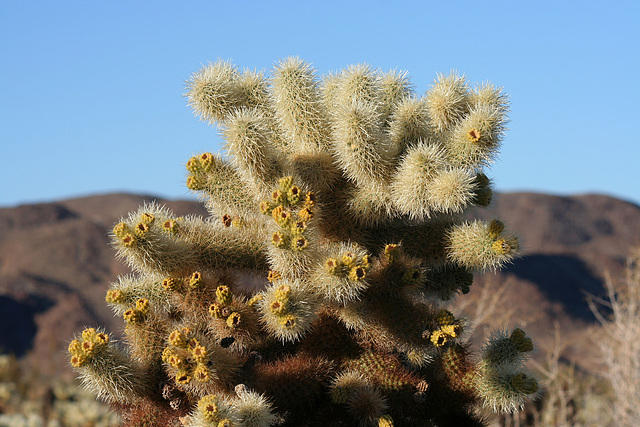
<point>618,342</point>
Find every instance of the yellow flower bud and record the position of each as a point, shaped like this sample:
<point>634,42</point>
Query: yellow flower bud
<point>293,195</point>
<point>208,407</point>
<point>120,230</point>
<point>183,377</point>
<point>274,276</point>
<point>141,229</point>
<point>199,354</point>
<point>332,265</point>
<point>195,280</point>
<point>128,240</point>
<point>171,284</point>
<point>170,226</point>
<point>278,240</point>
<point>439,338</point>
<point>445,317</point>
<point>78,360</point>
<point>223,295</point>
<point>525,384</point>
<point>288,321</point>
<point>234,320</point>
<point>75,347</point>
<point>254,300</point>
<point>357,273</point>
<point>177,339</point>
<point>474,135</point>
<point>283,292</point>
<point>147,218</point>
<point>142,305</point>
<point>300,243</point>
<point>215,310</point>
<point>310,200</point>
<point>89,334</point>
<point>201,373</point>
<point>385,421</point>
<point>114,296</point>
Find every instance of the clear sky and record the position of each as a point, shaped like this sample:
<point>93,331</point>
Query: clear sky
<point>92,92</point>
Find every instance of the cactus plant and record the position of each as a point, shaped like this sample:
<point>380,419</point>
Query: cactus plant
<point>314,294</point>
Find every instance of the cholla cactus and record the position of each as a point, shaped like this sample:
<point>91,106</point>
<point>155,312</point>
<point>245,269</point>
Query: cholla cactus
<point>314,293</point>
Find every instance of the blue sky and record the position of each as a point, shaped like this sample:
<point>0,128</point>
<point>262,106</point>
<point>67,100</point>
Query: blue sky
<point>92,92</point>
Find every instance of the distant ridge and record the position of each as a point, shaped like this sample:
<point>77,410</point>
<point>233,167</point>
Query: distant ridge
<point>56,265</point>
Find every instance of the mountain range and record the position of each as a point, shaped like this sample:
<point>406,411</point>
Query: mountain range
<point>56,264</point>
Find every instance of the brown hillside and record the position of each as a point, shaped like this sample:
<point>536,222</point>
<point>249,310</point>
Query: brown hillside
<point>56,264</point>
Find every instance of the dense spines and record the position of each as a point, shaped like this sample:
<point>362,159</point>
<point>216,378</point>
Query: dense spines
<point>288,310</point>
<point>447,100</point>
<point>105,369</point>
<point>249,143</point>
<point>173,246</point>
<point>219,183</point>
<point>298,109</point>
<point>123,294</point>
<point>410,123</point>
<point>502,380</point>
<point>213,92</point>
<point>480,246</point>
<point>337,230</point>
